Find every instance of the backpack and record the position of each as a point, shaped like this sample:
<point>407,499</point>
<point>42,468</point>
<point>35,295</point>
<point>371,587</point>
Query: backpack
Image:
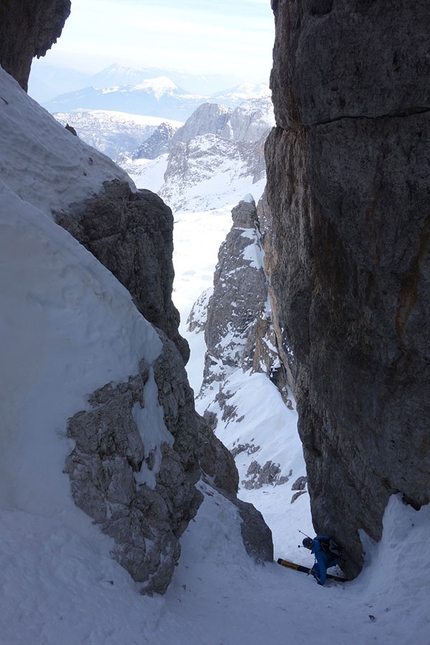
<point>330,546</point>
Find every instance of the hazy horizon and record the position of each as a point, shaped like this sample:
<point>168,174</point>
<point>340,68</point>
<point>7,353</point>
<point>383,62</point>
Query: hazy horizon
<point>230,40</point>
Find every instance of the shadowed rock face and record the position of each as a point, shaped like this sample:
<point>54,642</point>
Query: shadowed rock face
<point>349,188</point>
<point>28,28</point>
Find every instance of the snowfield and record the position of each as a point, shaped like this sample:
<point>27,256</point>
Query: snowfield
<point>67,327</point>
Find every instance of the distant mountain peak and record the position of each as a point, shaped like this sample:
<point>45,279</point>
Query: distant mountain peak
<point>234,96</point>
<point>158,86</point>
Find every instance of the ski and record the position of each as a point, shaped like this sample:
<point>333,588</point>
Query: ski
<point>299,567</point>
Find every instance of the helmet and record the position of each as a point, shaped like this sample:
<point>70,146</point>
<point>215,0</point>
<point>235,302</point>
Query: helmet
<point>308,543</point>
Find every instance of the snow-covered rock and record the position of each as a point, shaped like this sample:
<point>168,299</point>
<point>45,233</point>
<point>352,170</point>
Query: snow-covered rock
<point>249,122</point>
<point>158,143</point>
<point>113,133</point>
<point>210,171</point>
<point>158,97</point>
<point>238,300</point>
<point>209,118</point>
<point>252,120</point>
<point>216,157</point>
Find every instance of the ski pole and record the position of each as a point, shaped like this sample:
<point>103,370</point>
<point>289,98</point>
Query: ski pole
<point>300,546</point>
<point>305,534</point>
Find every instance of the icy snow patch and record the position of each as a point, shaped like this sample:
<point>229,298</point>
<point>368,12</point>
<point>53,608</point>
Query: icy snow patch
<point>150,423</point>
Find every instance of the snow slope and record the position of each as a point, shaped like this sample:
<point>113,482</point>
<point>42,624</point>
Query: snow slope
<point>67,328</point>
<point>56,589</point>
<point>40,160</point>
<point>147,173</point>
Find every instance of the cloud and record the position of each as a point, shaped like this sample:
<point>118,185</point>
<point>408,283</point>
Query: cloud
<point>194,35</point>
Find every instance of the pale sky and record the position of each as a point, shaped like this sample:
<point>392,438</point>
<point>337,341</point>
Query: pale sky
<point>198,36</point>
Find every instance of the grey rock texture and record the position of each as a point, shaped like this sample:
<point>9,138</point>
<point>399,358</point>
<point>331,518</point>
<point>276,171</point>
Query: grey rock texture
<point>157,144</point>
<point>144,514</point>
<point>209,118</point>
<point>216,462</point>
<point>251,121</point>
<point>258,476</point>
<point>238,300</point>
<point>28,28</point>
<point>256,535</point>
<point>131,233</point>
<point>348,189</point>
<point>199,160</point>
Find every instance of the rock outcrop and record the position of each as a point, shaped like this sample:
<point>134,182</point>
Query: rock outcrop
<point>196,169</point>
<point>137,481</point>
<point>28,28</point>
<point>251,121</point>
<point>136,477</point>
<point>131,233</point>
<point>236,318</point>
<point>209,118</point>
<point>348,187</point>
<point>238,304</point>
<point>157,144</point>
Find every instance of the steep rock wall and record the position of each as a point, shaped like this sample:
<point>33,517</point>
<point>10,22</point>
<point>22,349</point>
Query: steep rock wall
<point>348,187</point>
<point>237,306</point>
<point>28,28</point>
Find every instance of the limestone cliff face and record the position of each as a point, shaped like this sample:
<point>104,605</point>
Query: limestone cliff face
<point>348,188</point>
<point>28,28</point>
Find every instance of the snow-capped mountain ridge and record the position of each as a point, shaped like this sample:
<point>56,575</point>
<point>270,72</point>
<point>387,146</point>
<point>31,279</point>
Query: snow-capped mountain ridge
<point>155,96</point>
<point>234,96</point>
<point>158,86</point>
<point>113,133</point>
<point>158,97</point>
<point>120,75</point>
<point>215,157</point>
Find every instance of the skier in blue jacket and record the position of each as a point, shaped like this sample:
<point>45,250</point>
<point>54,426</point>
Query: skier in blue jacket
<point>323,559</point>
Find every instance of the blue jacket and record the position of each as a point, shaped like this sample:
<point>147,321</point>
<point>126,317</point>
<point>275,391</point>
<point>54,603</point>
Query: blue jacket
<point>323,560</point>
